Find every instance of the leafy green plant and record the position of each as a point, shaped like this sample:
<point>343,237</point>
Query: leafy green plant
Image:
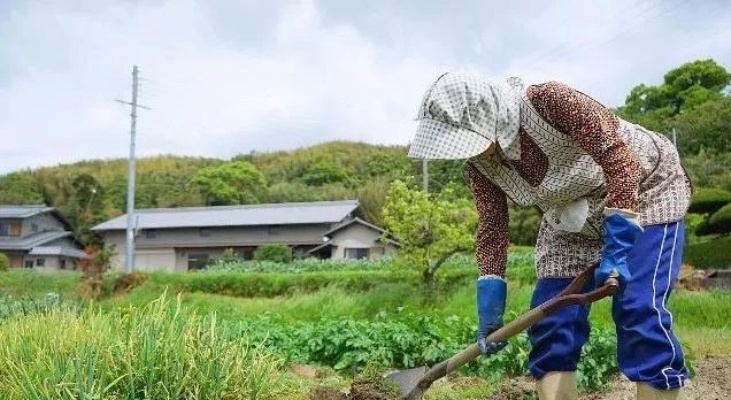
<point>279,253</point>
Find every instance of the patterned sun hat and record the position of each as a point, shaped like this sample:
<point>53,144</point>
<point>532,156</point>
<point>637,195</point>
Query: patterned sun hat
<point>461,115</point>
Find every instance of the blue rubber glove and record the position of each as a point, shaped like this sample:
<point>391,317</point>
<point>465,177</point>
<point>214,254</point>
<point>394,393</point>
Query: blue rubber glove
<point>491,293</point>
<point>621,231</point>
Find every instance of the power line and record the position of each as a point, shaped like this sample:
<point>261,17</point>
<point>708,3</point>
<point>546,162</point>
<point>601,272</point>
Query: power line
<point>130,245</point>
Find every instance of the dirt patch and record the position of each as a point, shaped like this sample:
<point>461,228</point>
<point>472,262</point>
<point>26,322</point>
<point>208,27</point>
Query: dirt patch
<point>371,391</point>
<point>711,382</point>
<point>359,390</point>
<point>322,393</point>
<point>521,388</point>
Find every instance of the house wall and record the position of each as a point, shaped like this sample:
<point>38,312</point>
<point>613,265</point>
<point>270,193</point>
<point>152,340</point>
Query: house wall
<point>50,263</point>
<point>16,258</point>
<point>44,222</point>
<point>358,236</point>
<point>189,241</point>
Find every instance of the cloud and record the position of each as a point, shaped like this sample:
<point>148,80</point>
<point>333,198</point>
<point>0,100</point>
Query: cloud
<point>228,77</point>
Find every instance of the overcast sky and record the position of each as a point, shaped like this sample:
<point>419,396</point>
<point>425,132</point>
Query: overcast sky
<point>225,77</point>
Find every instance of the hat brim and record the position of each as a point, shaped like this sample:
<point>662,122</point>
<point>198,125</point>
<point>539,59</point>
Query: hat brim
<point>436,140</point>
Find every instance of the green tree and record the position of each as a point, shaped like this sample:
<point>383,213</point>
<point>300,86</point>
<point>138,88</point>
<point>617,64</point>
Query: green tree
<point>705,127</point>
<point>87,206</point>
<point>237,182</point>
<point>324,172</point>
<point>20,188</point>
<point>430,227</point>
<point>691,96</point>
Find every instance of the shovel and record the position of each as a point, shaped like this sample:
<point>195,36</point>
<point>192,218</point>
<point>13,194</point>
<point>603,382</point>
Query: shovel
<point>414,382</point>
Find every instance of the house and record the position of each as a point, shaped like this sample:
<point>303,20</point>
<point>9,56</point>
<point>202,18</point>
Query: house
<point>188,238</point>
<point>37,236</point>
<point>356,239</point>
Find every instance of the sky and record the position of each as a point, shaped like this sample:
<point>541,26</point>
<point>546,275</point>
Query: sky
<point>226,77</point>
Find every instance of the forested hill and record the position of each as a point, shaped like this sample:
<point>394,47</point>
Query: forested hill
<point>693,98</point>
<point>88,192</point>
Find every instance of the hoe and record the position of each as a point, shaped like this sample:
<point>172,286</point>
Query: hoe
<point>414,382</point>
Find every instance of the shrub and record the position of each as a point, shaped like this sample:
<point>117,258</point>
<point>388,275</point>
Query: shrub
<point>712,253</point>
<point>720,220</point>
<point>126,282</point>
<point>4,262</point>
<point>92,268</point>
<point>260,284</point>
<point>273,252</point>
<point>706,201</point>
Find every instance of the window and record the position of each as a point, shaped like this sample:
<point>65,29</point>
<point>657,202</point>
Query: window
<point>9,229</point>
<point>197,261</point>
<point>34,228</point>
<point>357,253</point>
<point>150,234</point>
<point>205,232</point>
<point>62,263</point>
<point>40,262</point>
<point>28,264</point>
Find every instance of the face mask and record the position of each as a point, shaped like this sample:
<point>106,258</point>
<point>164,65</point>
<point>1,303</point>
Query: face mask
<point>570,218</point>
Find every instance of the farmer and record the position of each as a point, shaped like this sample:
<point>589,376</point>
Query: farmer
<point>611,193</point>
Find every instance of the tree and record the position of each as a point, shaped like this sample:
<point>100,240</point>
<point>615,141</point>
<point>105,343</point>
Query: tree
<point>692,97</point>
<point>237,182</point>
<point>324,172</point>
<point>430,227</point>
<point>706,127</point>
<point>19,188</point>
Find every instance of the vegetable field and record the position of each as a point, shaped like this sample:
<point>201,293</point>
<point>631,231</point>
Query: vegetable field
<point>260,330</point>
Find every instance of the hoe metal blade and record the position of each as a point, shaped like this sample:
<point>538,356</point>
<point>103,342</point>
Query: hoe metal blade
<point>407,381</point>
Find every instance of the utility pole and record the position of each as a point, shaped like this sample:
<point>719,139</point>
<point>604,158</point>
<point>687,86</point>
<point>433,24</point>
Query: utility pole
<point>130,246</point>
<point>425,175</point>
<point>675,138</point>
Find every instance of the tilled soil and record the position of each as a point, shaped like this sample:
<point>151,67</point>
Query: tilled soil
<point>358,391</point>
<point>712,382</point>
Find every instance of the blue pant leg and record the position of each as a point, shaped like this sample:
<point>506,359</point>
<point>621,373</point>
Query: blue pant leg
<point>556,341</point>
<point>648,350</point>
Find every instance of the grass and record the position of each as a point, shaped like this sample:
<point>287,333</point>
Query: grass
<point>157,351</point>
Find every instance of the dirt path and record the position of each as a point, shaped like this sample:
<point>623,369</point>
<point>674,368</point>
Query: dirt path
<point>712,382</point>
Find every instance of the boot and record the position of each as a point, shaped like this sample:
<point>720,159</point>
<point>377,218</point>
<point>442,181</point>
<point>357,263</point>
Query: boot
<point>647,392</point>
<point>558,386</point>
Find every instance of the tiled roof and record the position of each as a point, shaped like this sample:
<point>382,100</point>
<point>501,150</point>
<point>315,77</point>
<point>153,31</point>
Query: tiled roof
<point>246,215</point>
<point>31,241</point>
<point>22,211</point>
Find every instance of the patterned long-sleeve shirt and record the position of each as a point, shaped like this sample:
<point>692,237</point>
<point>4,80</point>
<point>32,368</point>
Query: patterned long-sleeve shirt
<point>593,127</point>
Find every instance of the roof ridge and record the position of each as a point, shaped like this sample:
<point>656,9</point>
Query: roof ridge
<point>248,206</point>
<point>25,206</point>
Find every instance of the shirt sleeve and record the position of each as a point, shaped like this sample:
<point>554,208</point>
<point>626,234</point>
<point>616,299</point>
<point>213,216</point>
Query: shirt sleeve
<point>594,127</point>
<point>492,226</point>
